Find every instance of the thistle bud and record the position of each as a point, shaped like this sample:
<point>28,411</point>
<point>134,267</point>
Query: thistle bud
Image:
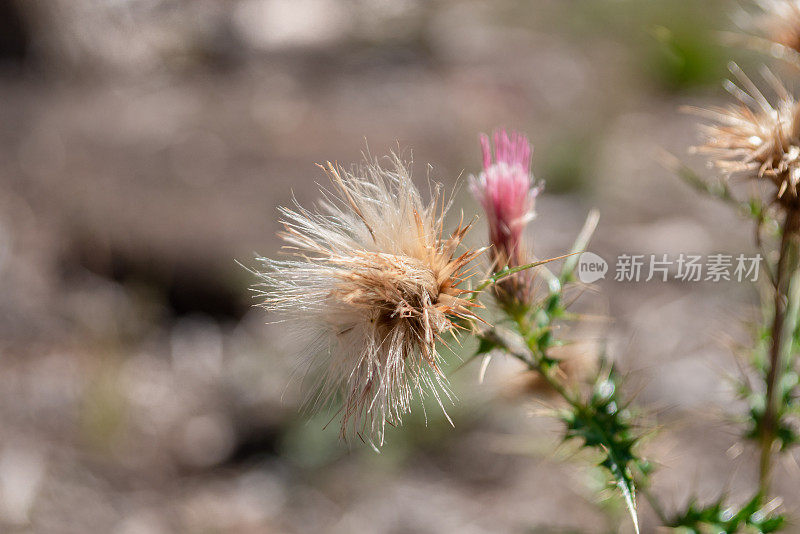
<point>507,192</point>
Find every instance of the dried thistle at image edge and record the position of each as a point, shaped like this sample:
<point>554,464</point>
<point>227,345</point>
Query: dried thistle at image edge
<point>778,21</point>
<point>755,139</point>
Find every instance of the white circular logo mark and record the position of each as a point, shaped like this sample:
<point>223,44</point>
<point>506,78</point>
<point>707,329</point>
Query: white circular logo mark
<point>591,267</point>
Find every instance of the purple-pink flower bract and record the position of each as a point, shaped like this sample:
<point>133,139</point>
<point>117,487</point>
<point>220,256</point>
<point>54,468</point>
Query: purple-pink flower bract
<point>507,193</point>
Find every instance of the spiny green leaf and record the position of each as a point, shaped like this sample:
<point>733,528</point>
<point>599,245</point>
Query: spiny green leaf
<point>485,346</point>
<point>718,518</point>
<point>604,427</point>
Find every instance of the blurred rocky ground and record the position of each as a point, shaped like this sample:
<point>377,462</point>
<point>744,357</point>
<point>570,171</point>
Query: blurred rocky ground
<point>145,145</point>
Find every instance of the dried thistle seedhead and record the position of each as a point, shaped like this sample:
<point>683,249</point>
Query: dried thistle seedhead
<point>507,192</point>
<point>375,283</point>
<point>779,22</point>
<point>756,139</point>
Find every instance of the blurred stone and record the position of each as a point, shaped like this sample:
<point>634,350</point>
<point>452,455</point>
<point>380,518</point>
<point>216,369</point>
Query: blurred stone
<point>197,350</point>
<point>142,523</point>
<point>207,440</point>
<point>21,471</point>
<point>277,24</point>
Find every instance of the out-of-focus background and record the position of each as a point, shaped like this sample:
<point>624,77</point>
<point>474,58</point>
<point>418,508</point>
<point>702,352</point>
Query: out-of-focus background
<point>145,147</point>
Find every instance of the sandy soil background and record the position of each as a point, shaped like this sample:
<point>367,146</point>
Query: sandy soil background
<point>144,146</point>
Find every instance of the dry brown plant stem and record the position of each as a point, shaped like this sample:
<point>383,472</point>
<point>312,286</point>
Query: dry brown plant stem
<point>787,263</point>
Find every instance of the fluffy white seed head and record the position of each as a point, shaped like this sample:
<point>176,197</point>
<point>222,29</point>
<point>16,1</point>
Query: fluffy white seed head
<point>373,282</point>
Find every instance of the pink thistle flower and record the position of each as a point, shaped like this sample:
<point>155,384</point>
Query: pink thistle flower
<point>506,191</point>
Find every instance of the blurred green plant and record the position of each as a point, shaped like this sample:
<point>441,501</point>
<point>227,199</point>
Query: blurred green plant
<point>719,518</point>
<point>569,161</point>
<point>675,44</point>
<point>104,409</point>
<point>311,443</point>
<point>683,55</point>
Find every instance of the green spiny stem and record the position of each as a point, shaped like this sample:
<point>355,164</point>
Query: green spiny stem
<point>787,264</point>
<point>569,266</point>
<point>509,271</point>
<point>539,341</point>
<point>536,360</point>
